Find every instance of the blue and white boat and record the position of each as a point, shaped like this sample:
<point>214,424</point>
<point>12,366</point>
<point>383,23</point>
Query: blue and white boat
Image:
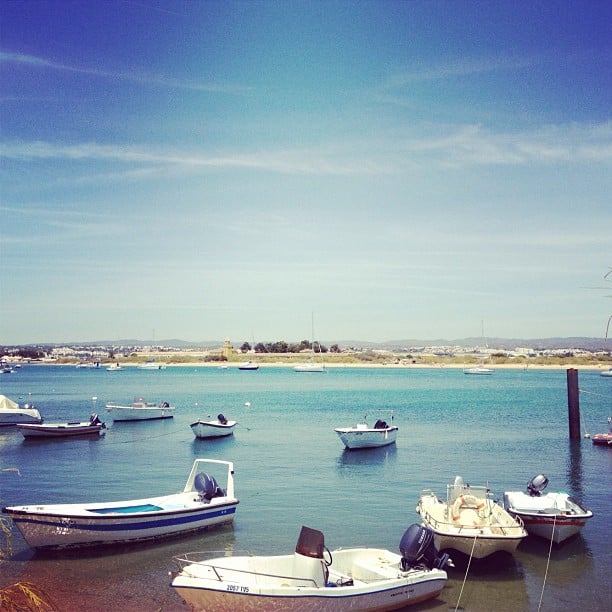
<point>202,504</point>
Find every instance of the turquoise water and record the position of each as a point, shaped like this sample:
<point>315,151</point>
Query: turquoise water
<point>291,470</point>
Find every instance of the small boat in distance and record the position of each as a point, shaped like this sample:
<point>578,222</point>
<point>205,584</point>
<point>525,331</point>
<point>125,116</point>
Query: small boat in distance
<point>478,370</point>
<point>216,428</point>
<point>151,364</point>
<point>63,430</point>
<point>553,516</point>
<point>604,439</point>
<point>201,504</point>
<point>11,413</point>
<point>364,436</point>
<point>469,521</point>
<point>88,365</point>
<point>313,578</point>
<point>139,410</point>
<point>607,373</point>
<point>248,365</point>
<point>114,367</point>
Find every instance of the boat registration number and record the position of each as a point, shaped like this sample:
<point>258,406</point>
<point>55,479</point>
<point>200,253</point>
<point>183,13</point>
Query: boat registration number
<point>236,588</point>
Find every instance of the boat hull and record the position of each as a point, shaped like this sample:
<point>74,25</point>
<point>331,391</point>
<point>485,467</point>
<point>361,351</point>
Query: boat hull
<point>60,430</point>
<point>230,584</point>
<point>131,413</point>
<point>18,417</point>
<point>59,530</point>
<point>353,438</point>
<point>212,429</point>
<point>550,516</point>
<point>59,526</point>
<point>478,529</point>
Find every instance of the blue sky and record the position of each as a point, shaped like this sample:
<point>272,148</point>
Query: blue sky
<point>202,170</point>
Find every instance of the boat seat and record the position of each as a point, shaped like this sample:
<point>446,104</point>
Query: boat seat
<point>366,572</point>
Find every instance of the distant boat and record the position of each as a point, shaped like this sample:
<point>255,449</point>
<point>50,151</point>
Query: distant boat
<point>478,370</point>
<point>363,436</point>
<point>139,410</point>
<point>311,365</point>
<point>216,428</point>
<point>63,430</point>
<point>11,413</point>
<point>248,365</point>
<point>202,503</point>
<point>606,373</point>
<point>152,365</point>
<point>88,365</point>
<point>114,367</point>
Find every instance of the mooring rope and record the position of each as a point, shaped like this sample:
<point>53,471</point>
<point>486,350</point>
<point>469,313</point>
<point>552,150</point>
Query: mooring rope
<point>594,393</point>
<point>169,433</point>
<point>467,569</point>
<point>552,537</point>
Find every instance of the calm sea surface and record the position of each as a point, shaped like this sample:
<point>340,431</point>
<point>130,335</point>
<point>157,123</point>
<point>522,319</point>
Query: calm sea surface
<point>291,470</point>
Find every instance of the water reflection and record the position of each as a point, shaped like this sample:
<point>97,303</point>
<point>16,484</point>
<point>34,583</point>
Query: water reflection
<point>574,468</point>
<point>367,456</point>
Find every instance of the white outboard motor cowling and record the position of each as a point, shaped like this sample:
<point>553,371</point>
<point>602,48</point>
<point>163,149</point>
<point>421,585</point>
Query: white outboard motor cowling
<point>418,549</point>
<point>537,484</point>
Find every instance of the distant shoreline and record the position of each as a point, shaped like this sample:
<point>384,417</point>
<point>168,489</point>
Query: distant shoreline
<point>348,365</point>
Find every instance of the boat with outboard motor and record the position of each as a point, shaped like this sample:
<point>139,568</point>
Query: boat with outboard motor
<point>93,427</point>
<point>11,413</point>
<point>215,428</point>
<point>470,521</point>
<point>553,516</point>
<point>314,579</point>
<point>140,410</point>
<point>202,503</point>
<point>362,435</point>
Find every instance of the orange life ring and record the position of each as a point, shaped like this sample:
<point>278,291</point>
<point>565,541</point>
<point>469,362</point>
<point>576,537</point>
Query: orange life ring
<point>466,501</point>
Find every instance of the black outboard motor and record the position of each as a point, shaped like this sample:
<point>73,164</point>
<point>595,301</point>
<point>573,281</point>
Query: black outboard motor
<point>221,419</point>
<point>207,486</point>
<point>418,550</point>
<point>536,485</point>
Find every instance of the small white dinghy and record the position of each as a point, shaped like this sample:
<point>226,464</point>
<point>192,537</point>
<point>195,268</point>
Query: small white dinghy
<point>469,521</point>
<point>201,504</point>
<point>364,436</point>
<point>93,427</point>
<point>216,428</point>
<point>553,516</point>
<point>314,579</point>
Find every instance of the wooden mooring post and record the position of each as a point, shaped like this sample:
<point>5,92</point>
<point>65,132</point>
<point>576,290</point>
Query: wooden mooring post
<point>573,403</point>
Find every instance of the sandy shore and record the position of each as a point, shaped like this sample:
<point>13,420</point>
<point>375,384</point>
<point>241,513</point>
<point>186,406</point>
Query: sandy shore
<point>332,365</point>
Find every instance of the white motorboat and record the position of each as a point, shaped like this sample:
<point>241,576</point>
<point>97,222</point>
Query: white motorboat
<point>139,410</point>
<point>62,430</point>
<point>11,413</point>
<point>88,365</point>
<point>364,436</point>
<point>478,370</point>
<point>248,365</point>
<point>216,428</point>
<point>114,367</point>
<point>314,579</point>
<point>470,521</point>
<point>607,372</point>
<point>553,516</point>
<point>309,366</point>
<point>151,364</point>
<point>201,504</point>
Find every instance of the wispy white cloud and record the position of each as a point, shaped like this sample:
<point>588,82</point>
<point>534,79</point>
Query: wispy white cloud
<point>132,76</point>
<point>458,146</point>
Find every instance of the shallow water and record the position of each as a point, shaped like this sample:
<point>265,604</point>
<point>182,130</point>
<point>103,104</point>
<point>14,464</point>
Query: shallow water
<point>291,470</point>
